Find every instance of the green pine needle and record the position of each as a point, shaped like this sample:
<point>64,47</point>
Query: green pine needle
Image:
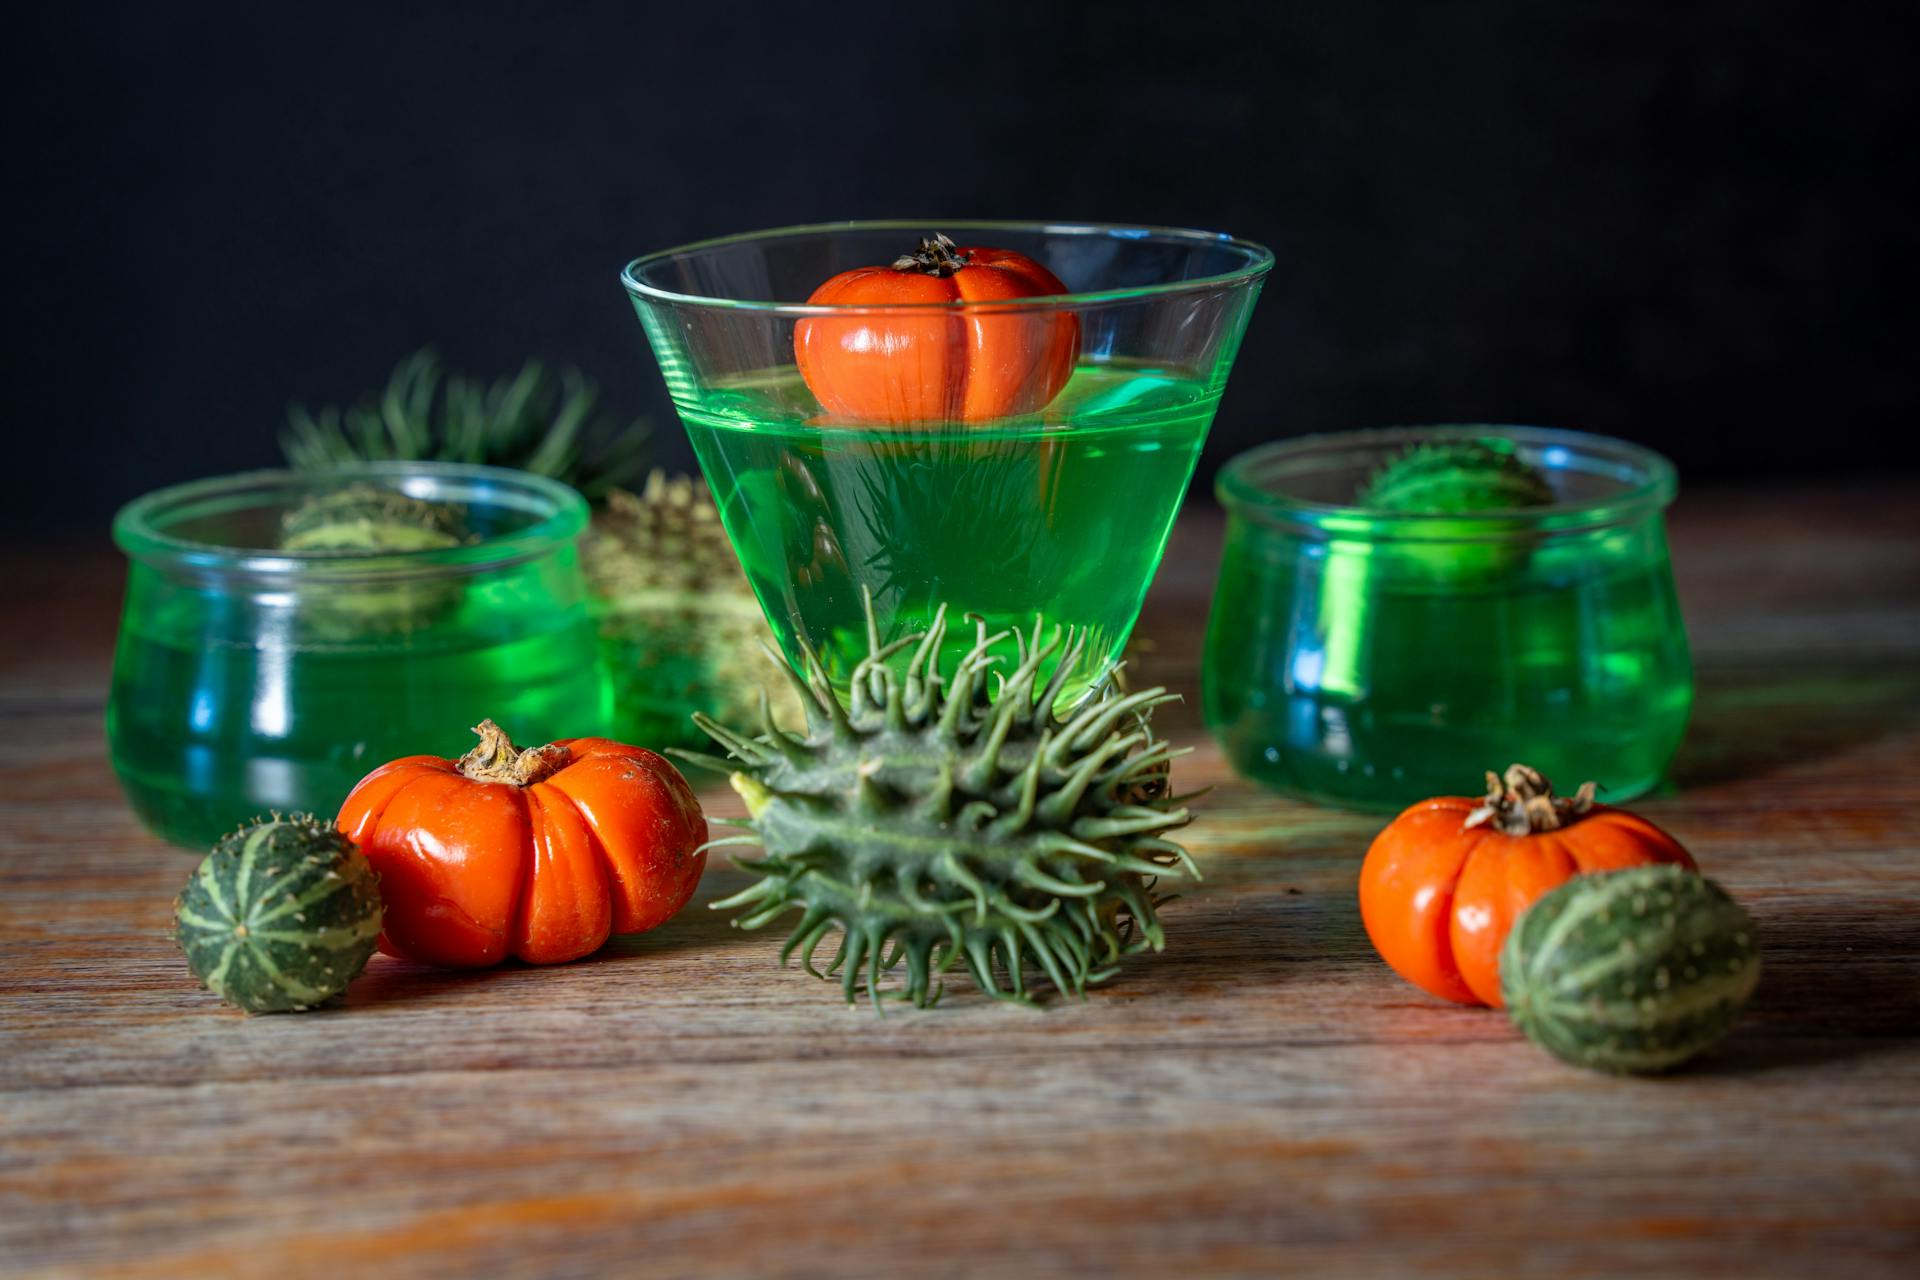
<point>535,421</point>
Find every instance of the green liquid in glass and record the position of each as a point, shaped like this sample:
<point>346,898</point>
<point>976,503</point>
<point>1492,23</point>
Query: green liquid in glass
<point>1064,515</point>
<point>1376,676</point>
<point>226,706</point>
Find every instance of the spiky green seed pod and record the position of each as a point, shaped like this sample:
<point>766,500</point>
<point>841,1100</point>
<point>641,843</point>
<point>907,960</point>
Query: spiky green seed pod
<point>948,818</point>
<point>362,519</point>
<point>1630,971</point>
<point>676,611</point>
<point>280,916</point>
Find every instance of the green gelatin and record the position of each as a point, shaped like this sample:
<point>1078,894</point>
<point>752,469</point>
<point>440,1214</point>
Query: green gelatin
<point>1066,514</point>
<point>680,629</point>
<point>1379,690</point>
<point>1372,658</point>
<point>246,681</point>
<point>204,733</point>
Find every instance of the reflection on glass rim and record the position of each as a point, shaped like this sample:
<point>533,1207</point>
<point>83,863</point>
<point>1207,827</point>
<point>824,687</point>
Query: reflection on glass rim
<point>1249,484</point>
<point>558,516</point>
<point>1256,260</point>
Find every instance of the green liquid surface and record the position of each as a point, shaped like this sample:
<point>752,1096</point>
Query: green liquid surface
<point>1375,677</point>
<point>224,708</point>
<point>1064,515</point>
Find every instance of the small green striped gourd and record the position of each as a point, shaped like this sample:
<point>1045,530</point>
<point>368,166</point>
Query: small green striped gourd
<point>1455,477</point>
<point>362,519</point>
<point>1450,480</point>
<point>365,519</point>
<point>1630,971</point>
<point>280,916</point>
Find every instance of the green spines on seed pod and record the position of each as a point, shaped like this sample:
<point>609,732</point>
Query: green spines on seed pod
<point>948,818</point>
<point>670,596</point>
<point>282,915</point>
<point>1630,971</point>
<point>1455,477</point>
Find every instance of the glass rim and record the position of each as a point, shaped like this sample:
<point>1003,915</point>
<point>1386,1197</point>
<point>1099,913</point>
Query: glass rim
<point>137,535</point>
<point>1258,261</point>
<point>1243,485</point>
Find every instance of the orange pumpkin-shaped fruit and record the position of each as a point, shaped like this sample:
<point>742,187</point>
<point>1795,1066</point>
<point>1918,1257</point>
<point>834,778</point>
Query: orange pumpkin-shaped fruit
<point>931,363</point>
<point>1446,880</point>
<point>540,854</point>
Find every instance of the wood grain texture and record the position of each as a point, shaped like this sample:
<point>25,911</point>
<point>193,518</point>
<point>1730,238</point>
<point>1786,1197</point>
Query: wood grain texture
<point>1263,1098</point>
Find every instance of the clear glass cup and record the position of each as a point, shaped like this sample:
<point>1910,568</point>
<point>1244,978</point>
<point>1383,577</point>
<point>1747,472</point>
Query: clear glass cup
<point>1373,659</point>
<point>249,679</point>
<point>1043,480</point>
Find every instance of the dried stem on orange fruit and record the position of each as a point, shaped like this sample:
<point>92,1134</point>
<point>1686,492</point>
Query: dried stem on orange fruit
<point>1523,802</point>
<point>496,759</point>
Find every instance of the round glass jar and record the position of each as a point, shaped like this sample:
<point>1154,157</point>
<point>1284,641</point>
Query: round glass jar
<point>1374,658</point>
<point>249,678</point>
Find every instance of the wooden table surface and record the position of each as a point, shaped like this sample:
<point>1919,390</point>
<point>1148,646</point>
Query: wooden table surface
<point>1264,1097</point>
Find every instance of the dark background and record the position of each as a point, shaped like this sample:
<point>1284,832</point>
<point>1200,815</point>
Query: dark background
<point>1686,224</point>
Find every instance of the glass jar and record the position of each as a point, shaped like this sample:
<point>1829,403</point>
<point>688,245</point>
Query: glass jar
<point>1372,659</point>
<point>248,678</point>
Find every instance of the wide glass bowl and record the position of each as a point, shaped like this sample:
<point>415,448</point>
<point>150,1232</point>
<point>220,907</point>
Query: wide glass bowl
<point>249,678</point>
<point>1012,458</point>
<point>1371,658</point>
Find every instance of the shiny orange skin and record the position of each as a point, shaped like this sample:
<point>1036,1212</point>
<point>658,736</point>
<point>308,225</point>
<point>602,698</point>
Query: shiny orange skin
<point>1438,898</point>
<point>943,366</point>
<point>473,872</point>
